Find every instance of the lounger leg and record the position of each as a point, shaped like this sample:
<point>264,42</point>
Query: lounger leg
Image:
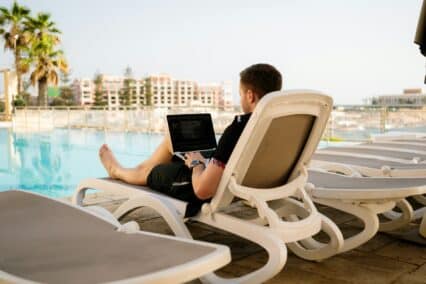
<point>78,196</point>
<point>420,199</point>
<point>310,248</point>
<point>274,246</point>
<point>398,219</point>
<point>422,229</point>
<point>367,213</point>
<point>159,205</point>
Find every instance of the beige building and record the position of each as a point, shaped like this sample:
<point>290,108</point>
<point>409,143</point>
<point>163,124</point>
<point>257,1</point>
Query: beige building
<point>409,97</point>
<point>83,90</point>
<point>157,90</point>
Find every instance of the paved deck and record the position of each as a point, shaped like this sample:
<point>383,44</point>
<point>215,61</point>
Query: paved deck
<point>384,259</point>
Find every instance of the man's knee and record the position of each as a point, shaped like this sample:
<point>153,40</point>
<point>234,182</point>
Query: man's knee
<point>143,171</point>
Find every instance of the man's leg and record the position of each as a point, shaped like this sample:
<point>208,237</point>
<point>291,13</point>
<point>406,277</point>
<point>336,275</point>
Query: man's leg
<point>139,174</point>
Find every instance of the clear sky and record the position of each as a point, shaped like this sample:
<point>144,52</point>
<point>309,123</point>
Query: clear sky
<point>348,49</point>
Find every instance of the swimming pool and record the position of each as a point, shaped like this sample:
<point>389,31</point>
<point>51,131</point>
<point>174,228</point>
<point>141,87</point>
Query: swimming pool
<point>53,163</point>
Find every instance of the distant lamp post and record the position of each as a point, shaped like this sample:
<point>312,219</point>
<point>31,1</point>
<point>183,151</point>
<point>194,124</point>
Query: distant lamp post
<point>7,98</point>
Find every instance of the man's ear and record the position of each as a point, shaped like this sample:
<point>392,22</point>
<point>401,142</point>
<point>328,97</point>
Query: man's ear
<point>252,96</point>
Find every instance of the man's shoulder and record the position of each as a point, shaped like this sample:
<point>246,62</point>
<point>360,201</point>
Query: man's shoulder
<point>238,123</point>
<point>241,119</point>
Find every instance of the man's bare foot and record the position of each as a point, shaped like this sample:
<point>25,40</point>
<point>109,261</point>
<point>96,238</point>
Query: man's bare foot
<point>109,162</point>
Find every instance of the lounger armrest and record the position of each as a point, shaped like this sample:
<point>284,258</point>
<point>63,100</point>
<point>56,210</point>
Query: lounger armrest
<point>288,231</point>
<point>267,194</point>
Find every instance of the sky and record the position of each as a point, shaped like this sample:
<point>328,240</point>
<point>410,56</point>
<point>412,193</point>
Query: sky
<point>350,50</point>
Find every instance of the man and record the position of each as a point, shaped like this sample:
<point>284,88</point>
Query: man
<point>193,180</point>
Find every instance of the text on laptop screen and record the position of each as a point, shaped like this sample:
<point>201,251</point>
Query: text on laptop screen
<point>191,132</point>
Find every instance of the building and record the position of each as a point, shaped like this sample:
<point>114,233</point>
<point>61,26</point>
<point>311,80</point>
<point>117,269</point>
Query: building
<point>83,90</point>
<point>409,97</point>
<point>156,90</point>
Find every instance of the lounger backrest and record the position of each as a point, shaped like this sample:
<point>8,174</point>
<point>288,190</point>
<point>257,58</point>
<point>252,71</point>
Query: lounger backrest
<point>279,151</point>
<point>277,142</point>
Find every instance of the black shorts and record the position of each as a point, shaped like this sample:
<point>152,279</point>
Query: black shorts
<point>175,179</point>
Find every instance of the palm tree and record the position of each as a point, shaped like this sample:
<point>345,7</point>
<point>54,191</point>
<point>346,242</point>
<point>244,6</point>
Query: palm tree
<point>43,53</point>
<point>16,38</point>
<point>41,25</point>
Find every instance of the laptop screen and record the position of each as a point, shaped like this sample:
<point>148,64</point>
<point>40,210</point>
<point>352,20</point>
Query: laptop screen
<point>191,132</point>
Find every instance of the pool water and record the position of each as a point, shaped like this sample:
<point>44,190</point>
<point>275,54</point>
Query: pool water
<point>53,163</point>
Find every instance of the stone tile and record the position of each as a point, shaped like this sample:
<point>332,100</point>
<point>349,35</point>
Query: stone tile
<point>337,216</point>
<point>405,251</point>
<point>379,241</point>
<point>417,276</point>
<point>233,270</point>
<point>140,215</point>
<point>199,230</point>
<point>354,267</point>
<point>291,273</point>
<point>156,225</point>
<point>297,276</point>
<point>239,247</point>
<point>196,281</point>
<point>351,267</point>
<point>377,261</point>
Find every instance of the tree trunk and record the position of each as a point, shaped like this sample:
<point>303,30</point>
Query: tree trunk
<point>42,92</point>
<point>18,72</point>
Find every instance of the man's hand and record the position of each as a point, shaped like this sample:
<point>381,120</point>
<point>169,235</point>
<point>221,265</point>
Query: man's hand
<point>191,156</point>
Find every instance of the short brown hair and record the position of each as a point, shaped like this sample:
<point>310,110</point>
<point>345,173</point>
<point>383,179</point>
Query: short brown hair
<point>261,79</point>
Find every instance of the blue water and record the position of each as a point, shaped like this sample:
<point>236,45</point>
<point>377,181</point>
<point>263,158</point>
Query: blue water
<point>53,163</point>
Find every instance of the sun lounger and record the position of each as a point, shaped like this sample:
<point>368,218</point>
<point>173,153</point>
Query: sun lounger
<point>351,164</point>
<point>43,240</point>
<point>384,154</point>
<point>402,147</point>
<point>267,169</point>
<point>366,198</point>
<point>421,141</point>
<point>401,143</point>
<point>398,135</point>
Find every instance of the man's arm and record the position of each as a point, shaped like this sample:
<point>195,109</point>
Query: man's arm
<point>205,178</point>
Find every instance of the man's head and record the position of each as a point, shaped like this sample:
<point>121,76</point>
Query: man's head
<point>255,82</point>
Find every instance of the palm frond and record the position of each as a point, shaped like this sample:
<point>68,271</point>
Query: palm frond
<point>52,77</point>
<point>55,30</point>
<point>5,13</point>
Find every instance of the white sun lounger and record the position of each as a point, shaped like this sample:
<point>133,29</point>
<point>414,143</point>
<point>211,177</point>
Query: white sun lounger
<point>267,169</point>
<point>391,146</point>
<point>384,154</point>
<point>420,141</point>
<point>399,135</point>
<point>366,197</point>
<point>353,165</point>
<point>43,240</point>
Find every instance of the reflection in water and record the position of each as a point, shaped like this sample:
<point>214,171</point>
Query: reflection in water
<point>53,163</point>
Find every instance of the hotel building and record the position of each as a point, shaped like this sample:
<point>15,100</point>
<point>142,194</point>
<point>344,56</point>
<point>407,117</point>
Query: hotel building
<point>156,90</point>
<point>409,97</point>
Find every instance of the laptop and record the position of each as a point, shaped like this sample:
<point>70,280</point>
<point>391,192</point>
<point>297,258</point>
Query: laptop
<point>192,133</point>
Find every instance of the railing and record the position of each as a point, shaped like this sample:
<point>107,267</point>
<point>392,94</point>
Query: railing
<point>349,123</point>
<point>358,123</point>
<point>141,119</point>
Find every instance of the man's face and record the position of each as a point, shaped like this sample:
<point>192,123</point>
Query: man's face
<point>244,100</point>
